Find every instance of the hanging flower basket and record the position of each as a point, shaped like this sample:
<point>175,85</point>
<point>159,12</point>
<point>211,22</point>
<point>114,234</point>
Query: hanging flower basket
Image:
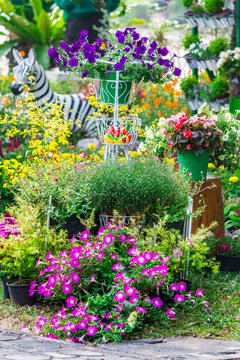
<point>194,167</point>
<point>118,131</point>
<point>110,88</point>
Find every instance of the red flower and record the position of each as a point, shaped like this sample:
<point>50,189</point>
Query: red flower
<point>187,134</point>
<point>36,190</point>
<point>56,179</point>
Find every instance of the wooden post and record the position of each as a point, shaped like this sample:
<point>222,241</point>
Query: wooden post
<point>210,195</point>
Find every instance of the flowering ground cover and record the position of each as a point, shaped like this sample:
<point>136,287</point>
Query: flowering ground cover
<point>221,321</point>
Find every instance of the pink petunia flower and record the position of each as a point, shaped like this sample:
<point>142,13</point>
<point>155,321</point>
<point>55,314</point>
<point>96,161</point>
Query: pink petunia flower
<point>182,286</point>
<point>108,239</point>
<point>120,296</point>
<point>133,299</point>
<point>157,302</point>
<point>170,313</point>
<point>71,301</point>
<point>173,287</point>
<point>141,310</point>
<point>82,324</point>
<point>84,235</point>
<point>41,321</point>
<point>199,292</point>
<point>67,288</point>
<point>92,330</point>
<point>179,298</point>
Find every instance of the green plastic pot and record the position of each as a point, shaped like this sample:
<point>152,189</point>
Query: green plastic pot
<point>234,104</point>
<point>107,90</point>
<point>188,163</point>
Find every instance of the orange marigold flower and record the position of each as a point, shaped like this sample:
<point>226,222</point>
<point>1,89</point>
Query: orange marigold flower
<point>12,78</point>
<point>157,102</point>
<point>146,106</point>
<point>22,53</point>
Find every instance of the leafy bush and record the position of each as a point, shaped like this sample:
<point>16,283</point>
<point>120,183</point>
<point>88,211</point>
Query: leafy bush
<point>213,6</point>
<point>188,84</point>
<point>218,45</point>
<point>219,87</point>
<point>190,39</point>
<point>137,187</point>
<point>27,239</point>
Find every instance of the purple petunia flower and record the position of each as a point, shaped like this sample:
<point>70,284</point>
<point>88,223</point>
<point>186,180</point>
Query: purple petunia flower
<point>52,52</point>
<point>177,72</point>
<point>164,51</point>
<point>118,66</point>
<point>73,62</point>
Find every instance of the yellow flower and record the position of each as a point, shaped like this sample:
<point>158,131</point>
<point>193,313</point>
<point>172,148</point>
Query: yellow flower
<point>233,179</point>
<point>134,154</point>
<point>6,162</point>
<point>91,146</point>
<point>10,172</point>
<point>221,167</point>
<point>211,166</point>
<point>4,185</point>
<point>100,152</point>
<point>14,163</point>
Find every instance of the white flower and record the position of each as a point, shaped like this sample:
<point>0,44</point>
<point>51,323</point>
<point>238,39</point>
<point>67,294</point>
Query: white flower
<point>228,116</point>
<point>142,147</point>
<point>149,134</point>
<point>161,121</point>
<point>225,137</point>
<point>192,46</point>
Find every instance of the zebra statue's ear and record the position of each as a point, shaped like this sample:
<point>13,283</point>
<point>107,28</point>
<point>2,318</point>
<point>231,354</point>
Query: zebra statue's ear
<point>16,55</point>
<point>31,57</point>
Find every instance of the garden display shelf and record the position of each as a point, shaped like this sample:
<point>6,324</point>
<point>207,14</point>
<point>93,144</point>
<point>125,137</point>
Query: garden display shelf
<point>216,105</point>
<point>221,20</point>
<point>195,63</point>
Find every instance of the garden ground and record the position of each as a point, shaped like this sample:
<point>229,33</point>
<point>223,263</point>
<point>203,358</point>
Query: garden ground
<point>222,321</point>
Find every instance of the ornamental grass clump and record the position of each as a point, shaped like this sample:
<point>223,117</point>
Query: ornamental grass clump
<point>192,134</point>
<point>125,51</point>
<point>139,186</point>
<point>109,286</point>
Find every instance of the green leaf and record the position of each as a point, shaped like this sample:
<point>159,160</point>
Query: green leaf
<point>42,55</point>
<point>37,8</point>
<point>7,46</point>
<point>44,26</point>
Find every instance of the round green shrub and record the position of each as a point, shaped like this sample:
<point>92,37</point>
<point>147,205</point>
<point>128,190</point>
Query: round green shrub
<point>189,39</point>
<point>188,84</point>
<point>137,186</point>
<point>219,87</point>
<point>217,46</point>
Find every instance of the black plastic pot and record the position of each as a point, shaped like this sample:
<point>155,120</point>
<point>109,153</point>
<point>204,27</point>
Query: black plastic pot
<point>19,293</point>
<point>5,289</point>
<point>229,263</point>
<point>176,225</point>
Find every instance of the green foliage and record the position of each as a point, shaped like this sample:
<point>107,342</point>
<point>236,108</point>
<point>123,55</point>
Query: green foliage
<point>195,250</point>
<point>44,29</point>
<point>136,187</point>
<point>187,3</point>
<point>213,6</point>
<point>218,45</point>
<point>188,84</point>
<point>19,253</point>
<point>219,87</point>
<point>190,39</point>
<point>197,9</point>
<point>232,215</point>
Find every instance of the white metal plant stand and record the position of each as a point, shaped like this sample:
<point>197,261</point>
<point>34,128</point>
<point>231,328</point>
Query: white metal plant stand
<point>115,132</point>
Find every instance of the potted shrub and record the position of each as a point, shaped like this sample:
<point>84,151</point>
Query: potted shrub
<point>219,88</point>
<point>189,85</point>
<point>139,187</point>
<point>124,57</point>
<point>202,55</point>
<point>19,252</point>
<point>192,138</point>
<point>228,250</point>
<point>229,64</point>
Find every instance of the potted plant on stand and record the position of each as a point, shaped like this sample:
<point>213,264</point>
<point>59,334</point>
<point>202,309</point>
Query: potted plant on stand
<point>139,187</point>
<point>192,138</point>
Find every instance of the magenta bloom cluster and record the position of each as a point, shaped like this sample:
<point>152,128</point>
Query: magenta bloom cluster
<point>107,285</point>
<point>8,226</point>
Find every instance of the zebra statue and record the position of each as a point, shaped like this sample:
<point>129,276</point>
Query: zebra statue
<point>74,107</point>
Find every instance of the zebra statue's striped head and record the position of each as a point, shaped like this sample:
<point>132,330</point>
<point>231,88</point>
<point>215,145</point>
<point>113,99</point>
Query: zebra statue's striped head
<point>26,67</point>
